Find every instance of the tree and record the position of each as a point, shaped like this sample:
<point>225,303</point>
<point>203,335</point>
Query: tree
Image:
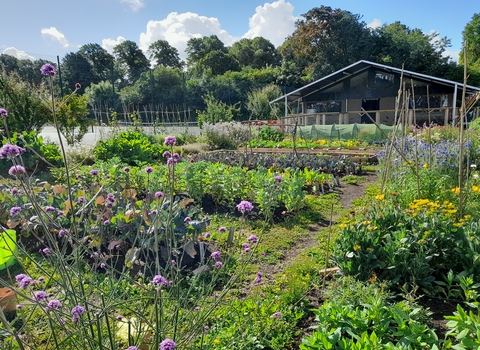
<point>216,111</point>
<point>256,53</point>
<point>398,45</point>
<point>130,61</point>
<point>326,40</point>
<point>71,116</point>
<point>100,60</point>
<point>471,39</point>
<point>258,103</point>
<point>164,54</point>
<point>208,55</point>
<point>76,69</point>
<point>26,110</point>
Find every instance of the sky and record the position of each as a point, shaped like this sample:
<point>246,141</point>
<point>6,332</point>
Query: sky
<point>32,29</point>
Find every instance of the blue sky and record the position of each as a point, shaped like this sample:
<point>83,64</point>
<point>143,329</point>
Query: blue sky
<point>45,29</point>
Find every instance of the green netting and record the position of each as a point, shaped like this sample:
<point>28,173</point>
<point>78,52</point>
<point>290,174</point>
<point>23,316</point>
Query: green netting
<point>362,132</point>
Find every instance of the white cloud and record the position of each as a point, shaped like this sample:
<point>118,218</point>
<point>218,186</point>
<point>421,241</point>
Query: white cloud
<point>453,55</point>
<point>374,24</point>
<point>21,55</point>
<point>135,5</point>
<point>274,21</point>
<point>53,34</point>
<point>109,44</point>
<point>177,29</point>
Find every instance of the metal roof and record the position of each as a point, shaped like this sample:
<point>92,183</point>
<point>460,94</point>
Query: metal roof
<point>357,68</point>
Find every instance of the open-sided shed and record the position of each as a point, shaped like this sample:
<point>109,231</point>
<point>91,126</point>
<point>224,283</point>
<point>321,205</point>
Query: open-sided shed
<point>343,97</point>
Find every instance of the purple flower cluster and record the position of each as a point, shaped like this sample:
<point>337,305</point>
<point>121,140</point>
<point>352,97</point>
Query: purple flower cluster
<point>23,280</point>
<point>277,315</point>
<point>159,281</point>
<point>245,206</point>
<point>215,255</point>
<point>259,278</point>
<point>158,194</point>
<point>17,170</point>
<point>41,295</point>
<point>3,112</point>
<point>76,312</point>
<point>168,344</point>
<point>170,141</point>
<point>278,179</point>
<point>218,264</point>
<point>252,239</point>
<point>14,211</point>
<point>132,347</point>
<point>93,172</point>
<point>10,151</point>
<point>54,304</point>
<point>110,201</point>
<point>149,170</point>
<point>48,70</point>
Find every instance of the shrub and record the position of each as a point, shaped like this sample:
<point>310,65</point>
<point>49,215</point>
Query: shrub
<point>226,135</point>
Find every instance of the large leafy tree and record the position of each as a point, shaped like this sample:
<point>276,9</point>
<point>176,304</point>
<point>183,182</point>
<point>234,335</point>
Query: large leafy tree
<point>76,69</point>
<point>131,61</point>
<point>258,103</point>
<point>209,56</point>
<point>256,53</point>
<point>26,110</point>
<point>471,39</point>
<point>326,40</point>
<point>398,45</point>
<point>72,118</point>
<point>100,60</point>
<point>164,54</point>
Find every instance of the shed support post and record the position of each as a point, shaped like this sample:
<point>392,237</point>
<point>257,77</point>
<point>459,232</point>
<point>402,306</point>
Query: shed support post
<point>445,120</point>
<point>317,119</point>
<point>323,119</point>
<point>377,117</point>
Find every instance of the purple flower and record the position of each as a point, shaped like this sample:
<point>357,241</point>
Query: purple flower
<point>78,86</point>
<point>106,222</point>
<point>170,141</point>
<point>247,250</point>
<point>222,229</point>
<point>278,179</point>
<point>168,344</point>
<point>170,161</point>
<point>20,277</point>
<point>245,206</point>
<point>24,283</point>
<point>167,154</point>
<point>76,312</point>
<point>132,347</point>
<point>245,245</point>
<point>3,112</point>
<point>15,210</point>
<point>46,251</point>
<point>207,328</point>
<point>126,169</point>
<point>48,70</point>
<point>119,317</point>
<point>277,315</point>
<point>176,156</point>
<point>215,256</point>
<point>62,233</point>
<point>252,239</point>
<point>17,170</point>
<point>148,169</point>
<point>158,194</point>
<point>14,191</point>
<point>81,199</point>
<point>54,304</point>
<point>159,280</point>
<point>40,295</point>
<point>187,219</point>
<point>218,264</point>
<point>102,265</point>
<point>207,235</point>
<point>196,308</point>
<point>258,279</point>
<point>93,172</point>
<point>111,197</point>
<point>20,306</point>
<point>10,151</point>
<point>49,209</point>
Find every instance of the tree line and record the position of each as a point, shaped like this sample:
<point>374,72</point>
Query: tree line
<point>244,75</point>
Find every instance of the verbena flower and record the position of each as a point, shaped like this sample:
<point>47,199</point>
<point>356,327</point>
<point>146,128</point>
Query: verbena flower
<point>158,194</point>
<point>46,251</point>
<point>14,211</point>
<point>17,170</point>
<point>48,70</point>
<point>20,277</point>
<point>170,161</point>
<point>49,209</point>
<point>93,172</point>
<point>245,206</point>
<point>278,179</point>
<point>168,344</point>
<point>170,141</point>
<point>252,239</point>
<point>216,255</point>
<point>207,235</point>
<point>159,280</point>
<point>222,229</point>
<point>132,347</point>
<point>81,199</point>
<point>148,169</point>
<point>54,304</point>
<point>62,233</point>
<point>11,151</point>
<point>106,222</point>
<point>126,169</point>
<point>3,112</point>
<point>218,264</point>
<point>25,282</point>
<point>41,295</point>
<point>277,315</point>
<point>259,278</point>
<point>102,265</point>
<point>187,219</point>
<point>76,312</point>
<point>167,154</point>
<point>245,245</point>
<point>176,157</point>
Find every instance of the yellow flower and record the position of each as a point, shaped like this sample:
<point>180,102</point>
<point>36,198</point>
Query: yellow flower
<point>356,247</point>
<point>456,190</point>
<point>366,222</point>
<point>216,341</point>
<point>425,166</point>
<point>467,217</point>
<point>476,189</point>
<point>380,197</point>
<point>342,225</point>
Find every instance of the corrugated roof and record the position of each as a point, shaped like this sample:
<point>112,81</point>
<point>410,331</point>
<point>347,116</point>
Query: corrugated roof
<point>359,67</point>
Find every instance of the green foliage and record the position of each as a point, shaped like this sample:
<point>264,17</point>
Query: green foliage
<point>226,135</point>
<point>38,153</point>
<point>258,103</point>
<point>360,316</point>
<point>72,118</point>
<point>216,111</point>
<point>26,110</point>
<point>470,36</point>
<point>267,133</point>
<point>464,328</point>
<point>131,146</point>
